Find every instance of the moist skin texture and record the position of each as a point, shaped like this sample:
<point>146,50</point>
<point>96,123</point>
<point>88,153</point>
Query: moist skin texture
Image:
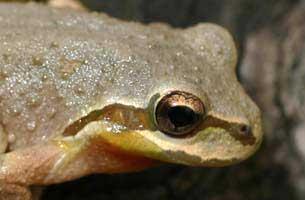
<point>59,66</point>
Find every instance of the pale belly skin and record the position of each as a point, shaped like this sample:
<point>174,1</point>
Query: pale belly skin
<point>57,66</point>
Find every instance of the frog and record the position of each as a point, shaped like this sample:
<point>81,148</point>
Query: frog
<point>83,93</point>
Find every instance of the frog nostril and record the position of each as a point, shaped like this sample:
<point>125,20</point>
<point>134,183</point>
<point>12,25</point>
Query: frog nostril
<point>246,130</point>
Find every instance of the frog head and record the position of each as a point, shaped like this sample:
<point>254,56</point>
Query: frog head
<point>194,112</point>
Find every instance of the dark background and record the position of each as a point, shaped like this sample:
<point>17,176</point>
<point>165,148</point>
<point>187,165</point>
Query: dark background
<point>270,35</point>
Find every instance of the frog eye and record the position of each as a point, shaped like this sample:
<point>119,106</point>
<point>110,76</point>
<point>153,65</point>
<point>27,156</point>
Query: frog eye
<point>179,113</point>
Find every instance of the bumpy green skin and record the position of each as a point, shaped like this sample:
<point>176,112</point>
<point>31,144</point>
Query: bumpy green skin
<point>57,66</point>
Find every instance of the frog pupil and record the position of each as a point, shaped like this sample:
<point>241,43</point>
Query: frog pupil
<point>181,116</point>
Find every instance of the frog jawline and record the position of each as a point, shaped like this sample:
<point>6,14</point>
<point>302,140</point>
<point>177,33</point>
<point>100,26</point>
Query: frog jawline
<point>131,117</point>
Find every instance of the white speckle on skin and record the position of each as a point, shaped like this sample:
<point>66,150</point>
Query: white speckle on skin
<point>31,126</point>
<point>11,138</point>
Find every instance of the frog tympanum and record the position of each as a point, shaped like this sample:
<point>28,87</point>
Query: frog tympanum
<point>84,93</point>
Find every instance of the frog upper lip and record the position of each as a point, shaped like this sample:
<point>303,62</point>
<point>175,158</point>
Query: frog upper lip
<point>241,131</point>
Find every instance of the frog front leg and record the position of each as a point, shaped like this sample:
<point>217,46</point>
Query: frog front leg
<point>66,158</point>
<point>18,192</point>
<point>19,170</point>
<point>14,192</point>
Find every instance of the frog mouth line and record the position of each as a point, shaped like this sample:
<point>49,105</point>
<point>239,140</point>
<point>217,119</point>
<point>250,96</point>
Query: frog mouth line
<point>137,119</point>
<point>128,116</point>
